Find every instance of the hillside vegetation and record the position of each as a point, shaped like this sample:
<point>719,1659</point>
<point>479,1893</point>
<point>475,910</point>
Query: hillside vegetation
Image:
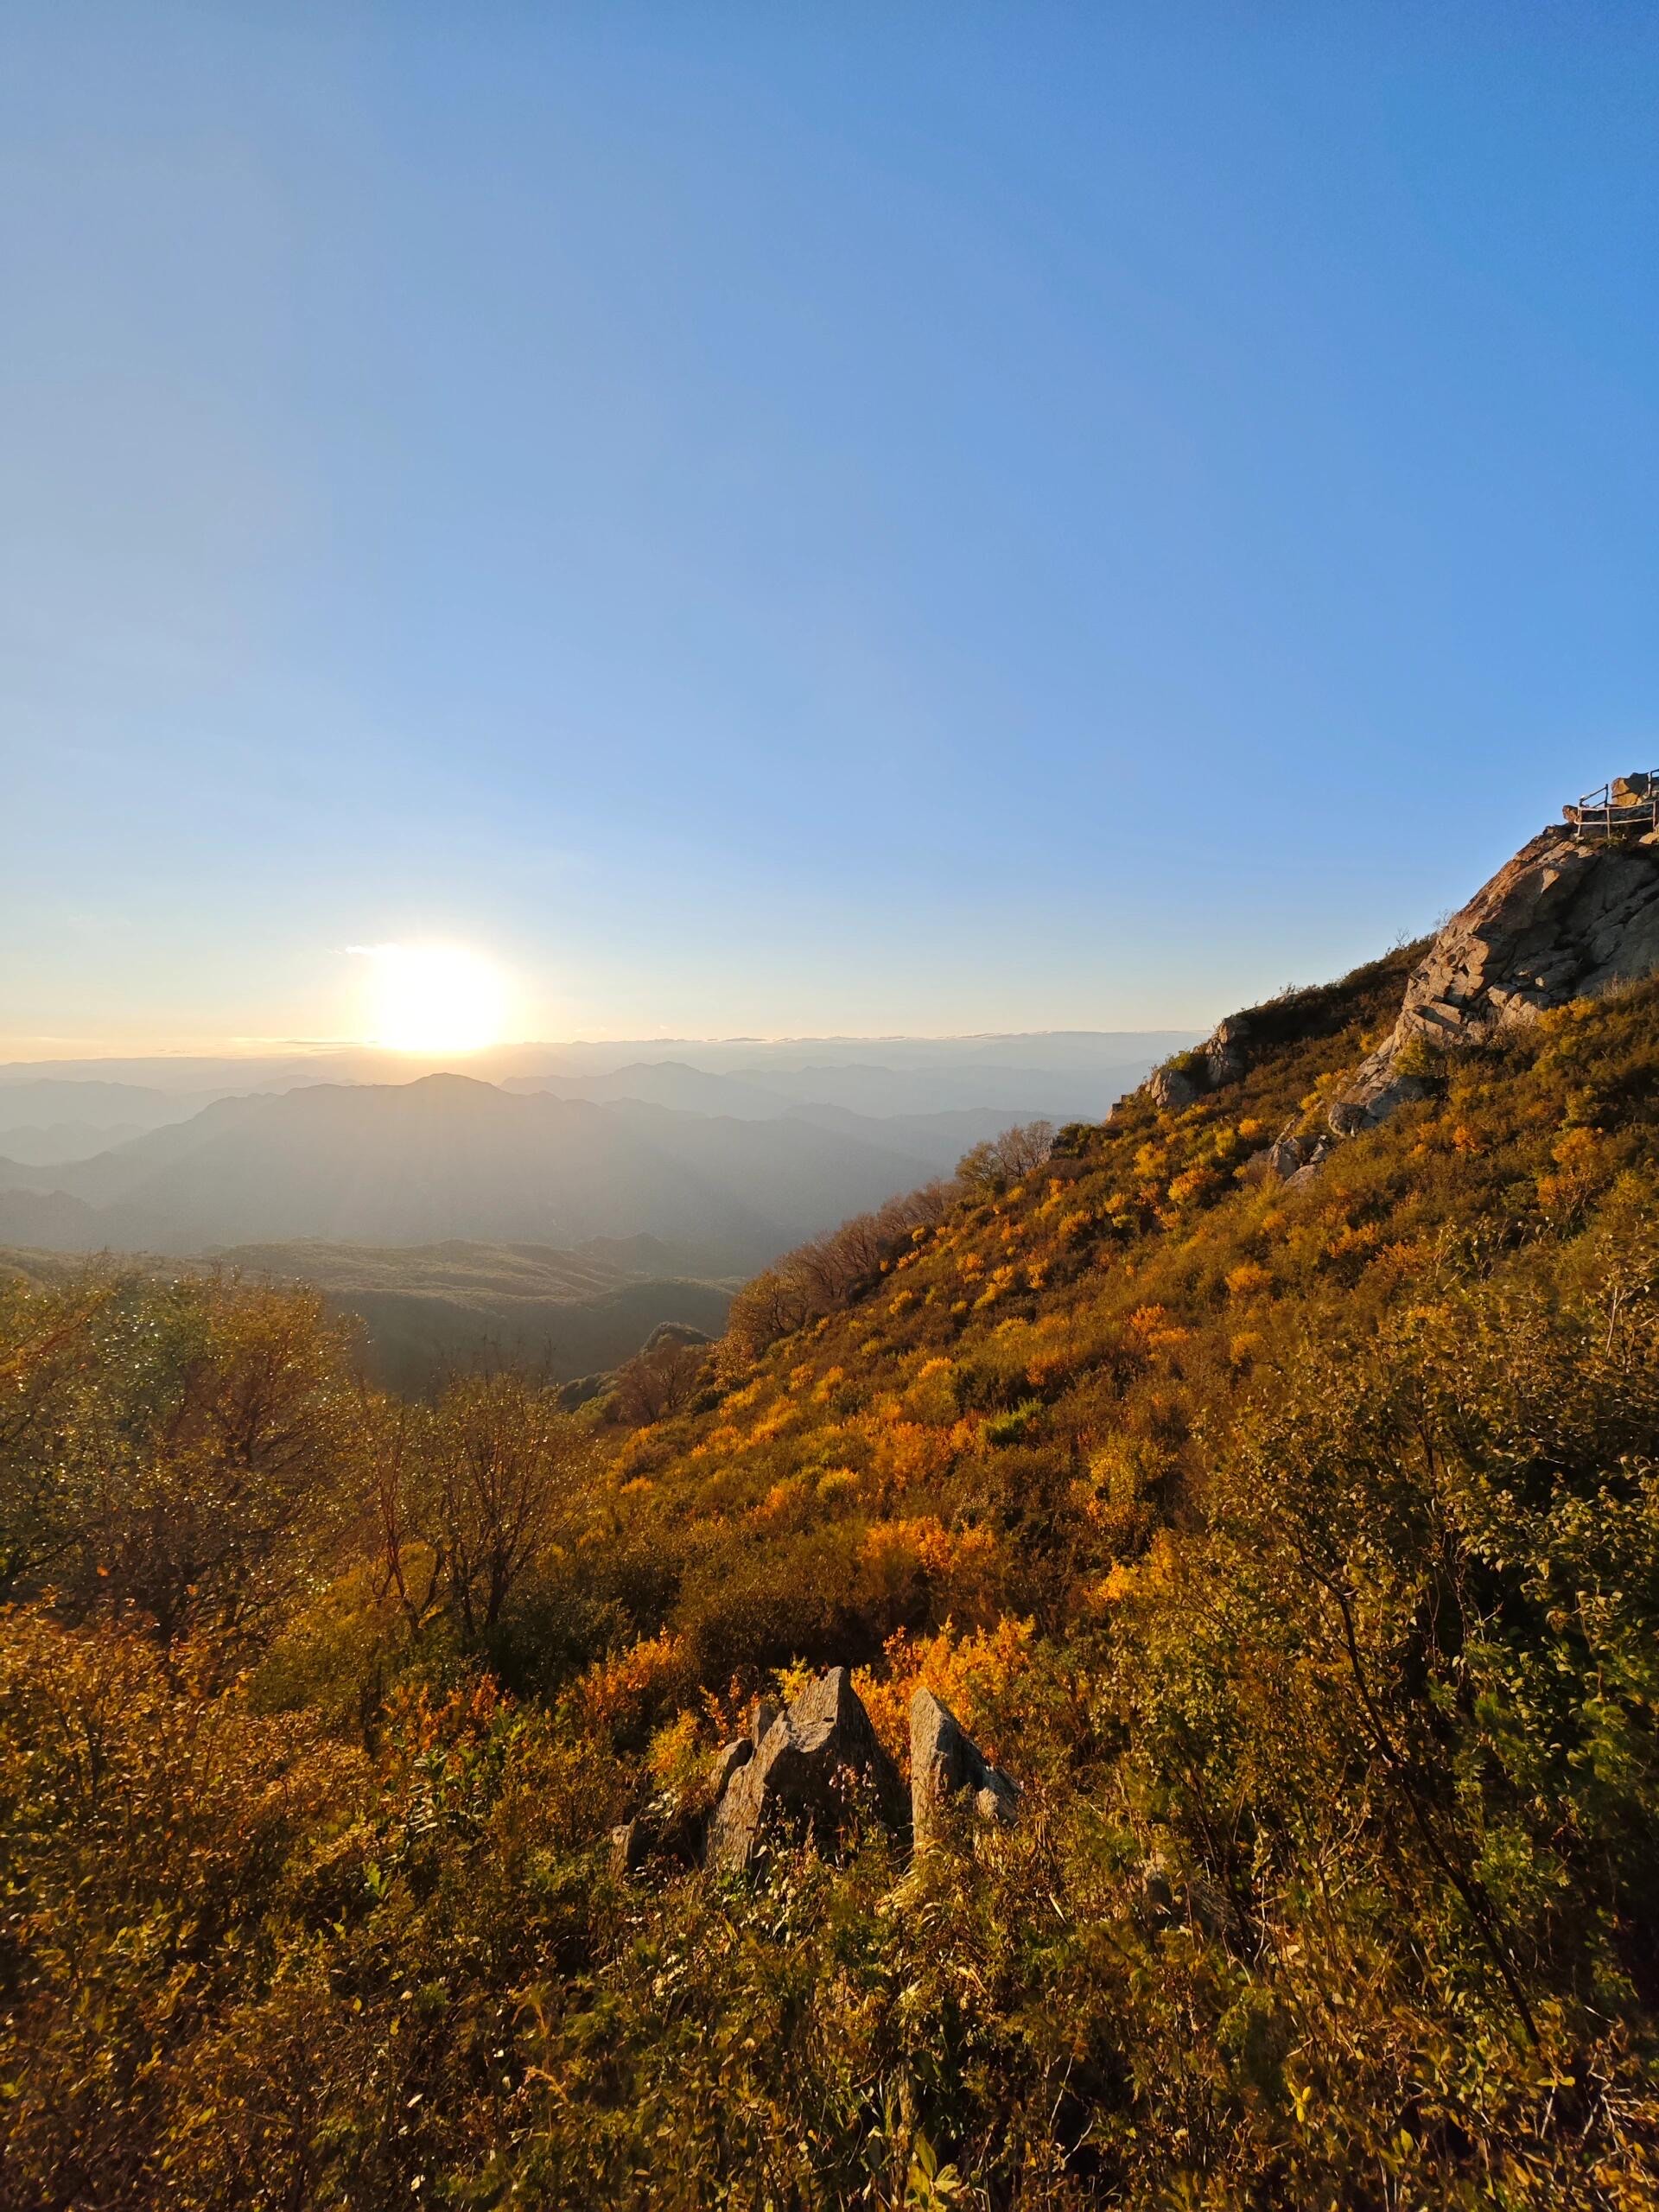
<point>1295,1547</point>
<point>428,1312</point>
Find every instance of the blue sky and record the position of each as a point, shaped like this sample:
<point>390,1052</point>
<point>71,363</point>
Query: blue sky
<point>805,518</point>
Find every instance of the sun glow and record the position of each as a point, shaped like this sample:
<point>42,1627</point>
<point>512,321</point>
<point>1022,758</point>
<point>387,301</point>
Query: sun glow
<point>433,998</point>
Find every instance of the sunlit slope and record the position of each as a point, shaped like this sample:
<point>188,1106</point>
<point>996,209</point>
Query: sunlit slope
<point>1291,1544</point>
<point>1003,1414</point>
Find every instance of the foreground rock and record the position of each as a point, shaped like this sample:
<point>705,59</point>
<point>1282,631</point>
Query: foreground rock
<point>1562,919</point>
<point>945,1764</point>
<point>629,1845</point>
<point>725,1763</point>
<point>816,1767</point>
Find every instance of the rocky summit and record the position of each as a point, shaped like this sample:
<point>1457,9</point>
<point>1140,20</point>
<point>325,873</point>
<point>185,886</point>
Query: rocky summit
<point>1574,912</point>
<point>1568,917</point>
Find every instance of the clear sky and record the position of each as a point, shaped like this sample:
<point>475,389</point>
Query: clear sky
<point>805,518</point>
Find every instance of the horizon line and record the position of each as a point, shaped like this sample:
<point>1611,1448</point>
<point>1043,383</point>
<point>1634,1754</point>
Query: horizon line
<point>319,1047</point>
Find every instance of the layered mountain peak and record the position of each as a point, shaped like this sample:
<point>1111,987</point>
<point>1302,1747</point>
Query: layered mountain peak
<point>1575,912</point>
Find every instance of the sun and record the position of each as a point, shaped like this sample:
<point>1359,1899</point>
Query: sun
<point>433,998</point>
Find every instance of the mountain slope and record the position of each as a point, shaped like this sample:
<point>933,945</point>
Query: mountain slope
<point>1091,1310</point>
<point>1271,1493</point>
<point>1291,1536</point>
<point>1124,1298</point>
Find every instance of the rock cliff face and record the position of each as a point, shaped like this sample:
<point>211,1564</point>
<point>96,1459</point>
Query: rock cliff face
<point>1560,920</point>
<point>1222,1058</point>
<point>1569,915</point>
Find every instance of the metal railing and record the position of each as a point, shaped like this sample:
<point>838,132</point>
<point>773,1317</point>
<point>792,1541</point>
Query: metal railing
<point>1628,805</point>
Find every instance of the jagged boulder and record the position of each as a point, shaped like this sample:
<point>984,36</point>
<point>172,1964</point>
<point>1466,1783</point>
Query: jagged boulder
<point>946,1764</point>
<point>1288,1155</point>
<point>818,1762</point>
<point>1228,1054</point>
<point>1290,1159</point>
<point>629,1847</point>
<point>1563,918</point>
<point>671,1829</point>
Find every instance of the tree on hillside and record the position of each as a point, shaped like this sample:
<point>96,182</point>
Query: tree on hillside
<point>506,1464</point>
<point>1000,1162</point>
<point>196,1432</point>
<point>659,1381</point>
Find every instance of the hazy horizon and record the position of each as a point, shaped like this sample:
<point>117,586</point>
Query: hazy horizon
<point>732,1151</point>
<point>251,1051</point>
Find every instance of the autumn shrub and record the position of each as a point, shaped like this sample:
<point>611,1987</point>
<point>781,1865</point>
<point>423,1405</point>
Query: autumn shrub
<point>168,1451</point>
<point>1003,1161</point>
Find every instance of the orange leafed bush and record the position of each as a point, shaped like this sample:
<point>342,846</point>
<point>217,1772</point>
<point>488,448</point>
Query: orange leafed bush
<point>908,1452</point>
<point>973,1673</point>
<point>1579,1158</point>
<point>617,1689</point>
<point>1201,1181</point>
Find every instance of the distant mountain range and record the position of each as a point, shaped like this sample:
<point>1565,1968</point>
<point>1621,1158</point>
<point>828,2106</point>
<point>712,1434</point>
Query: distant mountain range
<point>553,1216</point>
<point>732,1155</point>
<point>45,1119</point>
<point>1075,1062</point>
<point>445,1157</point>
<point>866,1087</point>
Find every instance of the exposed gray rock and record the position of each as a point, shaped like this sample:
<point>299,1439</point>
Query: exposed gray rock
<point>817,1764</point>
<point>1286,1154</point>
<point>727,1761</point>
<point>1562,919</point>
<point>628,1845</point>
<point>1174,1089</point>
<point>1310,1167</point>
<point>1293,1160</point>
<point>1222,1058</point>
<point>945,1762</point>
<point>1571,914</point>
<point>1227,1055</point>
<point>762,1713</point>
